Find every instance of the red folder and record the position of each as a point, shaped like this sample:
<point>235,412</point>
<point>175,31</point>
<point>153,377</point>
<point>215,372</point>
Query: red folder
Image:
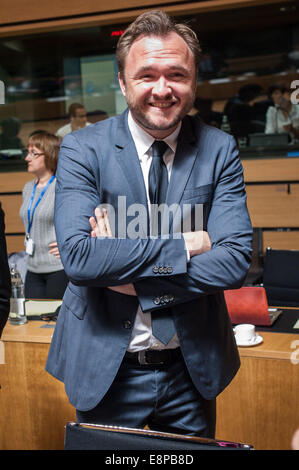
<point>248,305</point>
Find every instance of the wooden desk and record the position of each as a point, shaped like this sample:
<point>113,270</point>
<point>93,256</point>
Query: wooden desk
<point>260,406</point>
<point>33,405</point>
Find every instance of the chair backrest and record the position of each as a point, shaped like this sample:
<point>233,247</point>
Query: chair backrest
<point>281,277</point>
<point>80,436</point>
<point>248,305</point>
<point>255,273</point>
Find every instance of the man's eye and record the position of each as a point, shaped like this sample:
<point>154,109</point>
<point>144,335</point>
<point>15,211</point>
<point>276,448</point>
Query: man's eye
<point>147,77</point>
<point>177,76</point>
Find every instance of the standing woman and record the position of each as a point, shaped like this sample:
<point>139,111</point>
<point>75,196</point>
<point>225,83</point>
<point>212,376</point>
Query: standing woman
<point>45,277</point>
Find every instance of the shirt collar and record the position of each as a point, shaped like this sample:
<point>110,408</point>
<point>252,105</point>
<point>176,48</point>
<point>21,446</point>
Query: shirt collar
<point>143,141</point>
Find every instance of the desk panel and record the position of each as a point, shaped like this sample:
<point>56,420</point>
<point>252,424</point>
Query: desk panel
<point>260,406</point>
<point>270,169</point>
<point>273,205</point>
<point>33,405</point>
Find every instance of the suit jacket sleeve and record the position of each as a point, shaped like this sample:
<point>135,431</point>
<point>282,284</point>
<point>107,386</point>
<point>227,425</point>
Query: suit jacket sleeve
<point>4,277</point>
<point>100,261</point>
<point>225,266</point>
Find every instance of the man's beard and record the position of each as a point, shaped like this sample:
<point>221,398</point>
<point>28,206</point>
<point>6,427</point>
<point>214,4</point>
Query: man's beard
<point>147,122</point>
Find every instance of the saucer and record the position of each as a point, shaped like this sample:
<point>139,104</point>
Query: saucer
<point>254,342</point>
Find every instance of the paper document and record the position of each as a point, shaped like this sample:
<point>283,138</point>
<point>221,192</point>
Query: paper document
<point>39,307</point>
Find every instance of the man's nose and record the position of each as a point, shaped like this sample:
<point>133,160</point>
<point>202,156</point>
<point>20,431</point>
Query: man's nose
<point>162,88</point>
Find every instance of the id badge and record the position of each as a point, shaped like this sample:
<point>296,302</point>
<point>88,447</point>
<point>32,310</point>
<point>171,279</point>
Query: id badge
<point>29,246</point>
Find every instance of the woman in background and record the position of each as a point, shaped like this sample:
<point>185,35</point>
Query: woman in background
<point>283,117</point>
<point>45,277</point>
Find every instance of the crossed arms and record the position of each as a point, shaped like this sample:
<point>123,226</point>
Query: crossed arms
<point>197,242</point>
<point>112,262</point>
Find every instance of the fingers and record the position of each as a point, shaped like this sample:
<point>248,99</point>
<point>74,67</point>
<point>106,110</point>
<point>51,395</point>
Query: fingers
<point>100,224</point>
<point>93,223</point>
<point>53,244</point>
<point>101,230</point>
<point>54,249</point>
<point>197,242</point>
<point>109,231</point>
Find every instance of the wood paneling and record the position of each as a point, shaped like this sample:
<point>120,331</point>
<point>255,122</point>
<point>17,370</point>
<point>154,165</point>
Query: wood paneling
<point>273,206</point>
<point>34,407</point>
<point>260,406</point>
<point>15,243</point>
<point>33,10</point>
<point>14,182</point>
<point>11,205</point>
<point>271,169</point>
<point>35,17</point>
<point>283,240</point>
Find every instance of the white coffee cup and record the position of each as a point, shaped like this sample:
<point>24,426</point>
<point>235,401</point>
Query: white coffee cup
<point>244,333</point>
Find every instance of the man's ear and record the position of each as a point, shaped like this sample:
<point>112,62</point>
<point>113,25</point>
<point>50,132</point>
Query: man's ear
<point>122,83</point>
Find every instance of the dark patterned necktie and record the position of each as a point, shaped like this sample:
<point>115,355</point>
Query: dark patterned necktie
<point>162,322</point>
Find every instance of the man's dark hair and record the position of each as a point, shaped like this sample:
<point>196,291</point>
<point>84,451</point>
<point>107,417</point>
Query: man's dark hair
<point>73,109</point>
<point>277,86</point>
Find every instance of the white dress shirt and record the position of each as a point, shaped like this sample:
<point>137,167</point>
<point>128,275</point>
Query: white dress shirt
<point>142,337</point>
<point>275,119</point>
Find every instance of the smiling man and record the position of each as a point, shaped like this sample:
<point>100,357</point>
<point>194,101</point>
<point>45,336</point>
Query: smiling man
<point>143,336</point>
<point>159,82</point>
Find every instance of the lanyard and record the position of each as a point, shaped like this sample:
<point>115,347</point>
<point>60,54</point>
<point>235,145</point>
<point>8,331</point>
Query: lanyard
<point>30,219</point>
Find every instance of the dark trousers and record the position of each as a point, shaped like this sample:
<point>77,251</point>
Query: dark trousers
<point>163,398</point>
<point>45,285</point>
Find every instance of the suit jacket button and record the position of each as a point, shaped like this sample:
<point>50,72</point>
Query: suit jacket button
<point>155,269</point>
<point>127,324</point>
<point>171,297</point>
<point>157,301</point>
<point>169,270</point>
<point>161,270</point>
<point>165,270</point>
<point>166,298</point>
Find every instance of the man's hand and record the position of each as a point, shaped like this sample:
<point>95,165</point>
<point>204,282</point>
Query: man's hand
<point>100,227</point>
<point>197,242</point>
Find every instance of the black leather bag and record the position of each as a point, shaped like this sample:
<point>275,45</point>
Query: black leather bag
<point>79,436</point>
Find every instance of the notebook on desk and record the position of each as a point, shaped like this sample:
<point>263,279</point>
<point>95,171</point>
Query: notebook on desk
<point>250,305</point>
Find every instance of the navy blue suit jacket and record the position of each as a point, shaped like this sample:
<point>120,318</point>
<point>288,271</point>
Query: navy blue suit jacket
<point>98,164</point>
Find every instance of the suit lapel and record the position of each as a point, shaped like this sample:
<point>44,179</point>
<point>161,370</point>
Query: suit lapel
<point>128,160</point>
<point>183,163</point>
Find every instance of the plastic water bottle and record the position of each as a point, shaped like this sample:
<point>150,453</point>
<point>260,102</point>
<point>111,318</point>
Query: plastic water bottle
<point>17,314</point>
<point>225,125</point>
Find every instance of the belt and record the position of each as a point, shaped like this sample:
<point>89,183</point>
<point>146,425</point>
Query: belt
<point>150,357</point>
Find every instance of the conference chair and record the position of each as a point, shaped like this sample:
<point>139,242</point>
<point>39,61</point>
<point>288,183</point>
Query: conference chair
<point>80,436</point>
<point>255,273</point>
<point>281,277</point>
